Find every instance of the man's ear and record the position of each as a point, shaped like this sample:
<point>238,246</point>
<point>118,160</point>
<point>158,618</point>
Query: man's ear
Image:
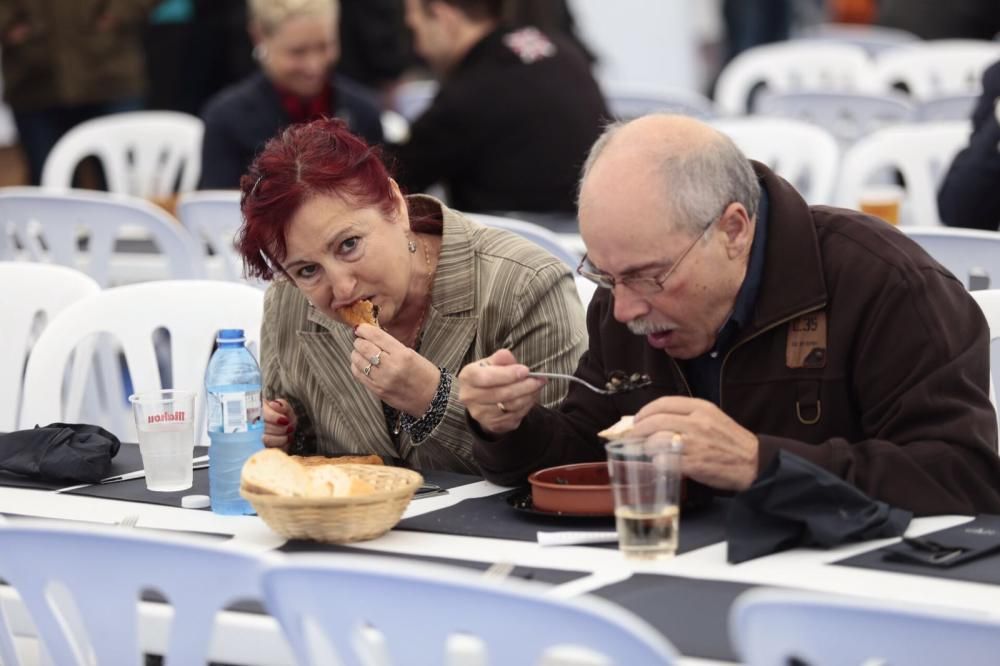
<point>737,229</point>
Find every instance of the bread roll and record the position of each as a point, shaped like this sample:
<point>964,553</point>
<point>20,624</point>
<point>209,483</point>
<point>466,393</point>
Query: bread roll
<point>620,429</point>
<point>313,461</point>
<point>333,481</point>
<point>359,312</point>
<point>272,472</point>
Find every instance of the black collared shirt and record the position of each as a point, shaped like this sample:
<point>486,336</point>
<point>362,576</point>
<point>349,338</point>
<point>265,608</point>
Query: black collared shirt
<point>704,373</point>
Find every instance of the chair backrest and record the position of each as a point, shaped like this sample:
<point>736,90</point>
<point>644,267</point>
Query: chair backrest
<point>803,154</point>
<point>947,107</point>
<point>771,627</point>
<point>411,98</point>
<point>82,584</point>
<point>874,39</point>
<point>972,255</point>
<point>792,66</point>
<point>989,303</point>
<point>49,225</point>
<point>29,291</point>
<point>416,608</point>
<point>847,116</point>
<point>143,153</point>
<point>921,152</point>
<point>191,311</point>
<point>214,217</point>
<point>936,68</point>
<point>631,100</point>
<point>537,234</point>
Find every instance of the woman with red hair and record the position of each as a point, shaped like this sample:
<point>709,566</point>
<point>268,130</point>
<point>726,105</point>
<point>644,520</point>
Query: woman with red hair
<point>324,220</point>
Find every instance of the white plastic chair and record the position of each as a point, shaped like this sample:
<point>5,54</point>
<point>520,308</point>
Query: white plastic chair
<point>82,586</point>
<point>921,152</point>
<point>30,291</point>
<point>191,311</point>
<point>847,116</point>
<point>989,302</point>
<point>972,255</point>
<point>947,107</point>
<point>417,608</point>
<point>630,100</point>
<point>936,68</point>
<point>214,217</point>
<point>143,153</point>
<point>47,225</point>
<point>805,155</point>
<point>792,66</point>
<point>777,627</point>
<point>411,98</point>
<point>874,39</point>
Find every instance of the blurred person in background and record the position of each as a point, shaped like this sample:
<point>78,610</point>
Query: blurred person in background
<point>515,114</point>
<point>374,44</point>
<point>67,61</point>
<point>933,19</point>
<point>297,47</point>
<point>970,193</point>
<point>325,221</point>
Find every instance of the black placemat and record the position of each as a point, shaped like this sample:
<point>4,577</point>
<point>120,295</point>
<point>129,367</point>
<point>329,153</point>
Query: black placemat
<point>983,570</point>
<point>493,517</point>
<point>448,480</point>
<point>550,576</point>
<point>127,460</point>
<point>693,614</point>
<point>135,490</point>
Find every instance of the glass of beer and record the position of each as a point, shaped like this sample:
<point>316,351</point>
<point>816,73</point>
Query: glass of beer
<point>164,421</point>
<point>882,201</point>
<point>646,480</point>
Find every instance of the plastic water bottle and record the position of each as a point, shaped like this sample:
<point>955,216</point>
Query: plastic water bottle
<point>235,421</point>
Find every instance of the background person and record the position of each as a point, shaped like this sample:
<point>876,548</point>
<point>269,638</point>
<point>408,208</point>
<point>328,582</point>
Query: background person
<point>765,325</point>
<point>327,223</point>
<point>296,45</point>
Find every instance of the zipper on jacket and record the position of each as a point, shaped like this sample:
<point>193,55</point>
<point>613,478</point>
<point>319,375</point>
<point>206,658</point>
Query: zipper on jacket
<point>782,322</point>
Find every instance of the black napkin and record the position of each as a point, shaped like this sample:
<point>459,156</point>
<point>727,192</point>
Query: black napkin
<point>795,503</point>
<point>60,451</point>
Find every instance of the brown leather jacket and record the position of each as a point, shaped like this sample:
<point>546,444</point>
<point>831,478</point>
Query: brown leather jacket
<point>894,397</point>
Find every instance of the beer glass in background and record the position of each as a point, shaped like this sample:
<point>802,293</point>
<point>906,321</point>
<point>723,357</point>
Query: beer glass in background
<point>883,201</point>
<point>646,480</point>
<point>164,421</point>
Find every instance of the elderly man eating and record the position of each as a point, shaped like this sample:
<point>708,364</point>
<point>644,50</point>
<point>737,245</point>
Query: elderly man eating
<point>765,325</point>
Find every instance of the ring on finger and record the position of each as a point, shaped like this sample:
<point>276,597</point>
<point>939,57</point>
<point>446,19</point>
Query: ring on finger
<point>376,359</point>
<point>501,407</point>
<point>367,370</point>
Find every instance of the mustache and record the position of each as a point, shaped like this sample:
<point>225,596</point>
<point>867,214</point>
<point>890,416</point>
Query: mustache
<point>645,327</point>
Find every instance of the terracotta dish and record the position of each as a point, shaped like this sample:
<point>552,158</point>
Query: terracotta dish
<point>579,489</point>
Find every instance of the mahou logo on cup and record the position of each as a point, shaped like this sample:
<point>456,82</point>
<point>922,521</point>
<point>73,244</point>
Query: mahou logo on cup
<point>165,417</point>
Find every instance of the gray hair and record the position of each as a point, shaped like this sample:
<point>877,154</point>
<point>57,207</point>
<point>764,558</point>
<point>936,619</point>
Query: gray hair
<point>700,183</point>
<point>271,14</point>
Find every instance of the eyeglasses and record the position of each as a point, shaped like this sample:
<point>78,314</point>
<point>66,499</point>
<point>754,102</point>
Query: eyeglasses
<point>641,285</point>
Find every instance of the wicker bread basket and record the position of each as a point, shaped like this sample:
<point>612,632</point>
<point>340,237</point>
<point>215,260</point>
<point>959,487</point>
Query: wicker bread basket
<point>341,519</point>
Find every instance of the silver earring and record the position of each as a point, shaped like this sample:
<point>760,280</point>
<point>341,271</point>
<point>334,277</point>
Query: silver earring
<point>259,53</point>
<point>412,247</point>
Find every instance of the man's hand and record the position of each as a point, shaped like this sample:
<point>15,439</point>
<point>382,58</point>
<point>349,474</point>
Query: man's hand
<point>498,392</point>
<point>717,451</point>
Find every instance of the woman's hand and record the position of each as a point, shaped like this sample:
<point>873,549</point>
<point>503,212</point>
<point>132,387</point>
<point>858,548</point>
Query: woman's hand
<point>279,423</point>
<point>394,373</point>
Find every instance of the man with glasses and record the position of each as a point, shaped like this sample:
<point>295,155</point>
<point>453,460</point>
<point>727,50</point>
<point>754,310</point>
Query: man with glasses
<point>765,325</point>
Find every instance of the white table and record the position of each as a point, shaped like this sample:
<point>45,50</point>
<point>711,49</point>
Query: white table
<point>245,638</point>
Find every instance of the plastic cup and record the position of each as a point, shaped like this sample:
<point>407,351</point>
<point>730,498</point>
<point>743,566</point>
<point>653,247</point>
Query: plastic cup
<point>882,201</point>
<point>646,480</point>
<point>164,421</point>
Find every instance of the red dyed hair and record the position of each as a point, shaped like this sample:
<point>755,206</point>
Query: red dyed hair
<point>305,160</point>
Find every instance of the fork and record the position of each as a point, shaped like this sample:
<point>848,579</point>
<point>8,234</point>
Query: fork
<point>129,521</point>
<point>573,378</point>
<point>498,570</point>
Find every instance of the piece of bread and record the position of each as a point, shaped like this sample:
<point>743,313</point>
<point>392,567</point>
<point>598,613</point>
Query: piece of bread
<point>359,312</point>
<point>313,461</point>
<point>620,429</point>
<point>273,472</point>
<point>333,481</point>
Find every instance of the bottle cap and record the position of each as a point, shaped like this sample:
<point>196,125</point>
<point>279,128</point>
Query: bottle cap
<point>230,335</point>
<point>195,501</point>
